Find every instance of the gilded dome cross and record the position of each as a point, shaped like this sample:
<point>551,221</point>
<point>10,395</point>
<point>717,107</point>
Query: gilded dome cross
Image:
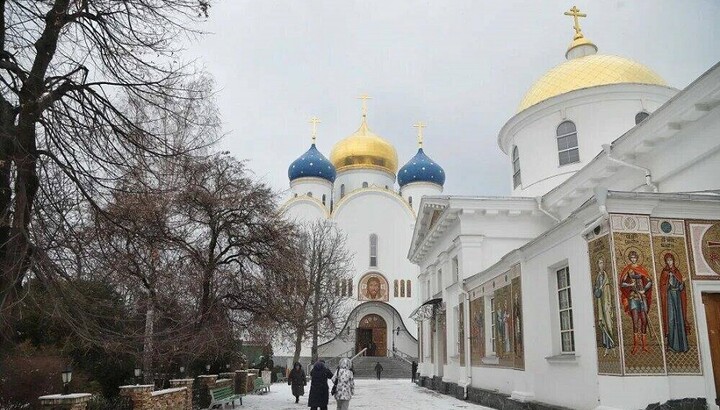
<point>420,125</point>
<point>575,13</point>
<point>314,121</point>
<point>364,99</point>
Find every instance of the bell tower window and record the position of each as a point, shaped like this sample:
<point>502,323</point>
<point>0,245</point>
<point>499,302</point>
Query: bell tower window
<point>516,167</point>
<point>567,143</point>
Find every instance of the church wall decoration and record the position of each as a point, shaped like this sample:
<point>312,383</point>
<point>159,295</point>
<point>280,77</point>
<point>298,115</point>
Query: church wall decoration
<point>477,330</point>
<point>604,297</point>
<point>517,319</point>
<point>675,296</point>
<point>373,286</point>
<point>461,333</point>
<point>502,320</point>
<point>641,335</point>
<point>704,239</point>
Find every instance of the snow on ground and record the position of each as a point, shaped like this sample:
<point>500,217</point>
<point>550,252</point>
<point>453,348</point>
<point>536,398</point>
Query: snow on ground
<point>391,394</point>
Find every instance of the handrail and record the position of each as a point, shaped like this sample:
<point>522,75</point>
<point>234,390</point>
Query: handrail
<point>402,355</point>
<point>341,356</point>
<point>359,353</point>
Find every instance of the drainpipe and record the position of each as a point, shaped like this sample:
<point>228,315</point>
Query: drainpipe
<point>607,148</point>
<point>466,332</point>
<point>538,199</point>
<point>601,198</point>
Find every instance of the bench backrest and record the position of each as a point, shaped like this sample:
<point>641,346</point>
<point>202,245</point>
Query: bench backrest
<point>222,393</point>
<point>259,382</point>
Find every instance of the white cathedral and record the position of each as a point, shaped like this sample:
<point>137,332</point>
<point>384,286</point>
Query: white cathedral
<point>595,285</point>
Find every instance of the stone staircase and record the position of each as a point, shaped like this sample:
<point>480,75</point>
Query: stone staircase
<point>393,368</point>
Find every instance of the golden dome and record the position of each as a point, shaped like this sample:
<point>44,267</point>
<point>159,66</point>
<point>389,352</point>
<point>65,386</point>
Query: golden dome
<point>364,149</point>
<point>588,71</point>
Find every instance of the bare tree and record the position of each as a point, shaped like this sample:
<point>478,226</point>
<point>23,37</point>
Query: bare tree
<point>299,291</point>
<point>67,69</point>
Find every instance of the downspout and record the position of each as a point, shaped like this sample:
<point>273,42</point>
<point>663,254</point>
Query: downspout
<point>607,148</point>
<point>601,198</point>
<point>466,334</point>
<point>538,199</point>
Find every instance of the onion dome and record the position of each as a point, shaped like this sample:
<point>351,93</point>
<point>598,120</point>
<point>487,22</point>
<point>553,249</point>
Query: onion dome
<point>585,68</point>
<point>312,164</point>
<point>364,149</point>
<point>421,168</point>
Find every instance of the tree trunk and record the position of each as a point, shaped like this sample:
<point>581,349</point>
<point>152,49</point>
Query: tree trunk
<point>148,342</point>
<point>298,346</point>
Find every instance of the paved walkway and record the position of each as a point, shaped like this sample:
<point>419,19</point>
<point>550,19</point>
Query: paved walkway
<point>369,394</point>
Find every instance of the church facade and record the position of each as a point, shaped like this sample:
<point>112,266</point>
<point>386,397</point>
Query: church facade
<point>362,191</point>
<point>596,284</point>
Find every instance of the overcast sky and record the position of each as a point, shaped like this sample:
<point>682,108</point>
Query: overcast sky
<point>460,66</point>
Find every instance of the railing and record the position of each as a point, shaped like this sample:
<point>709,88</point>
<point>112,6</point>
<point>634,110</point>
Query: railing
<point>402,355</point>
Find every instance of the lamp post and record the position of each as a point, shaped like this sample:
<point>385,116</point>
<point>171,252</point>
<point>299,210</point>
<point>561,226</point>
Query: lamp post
<point>66,378</point>
<point>182,371</point>
<point>396,332</point>
<point>207,368</point>
<point>138,373</point>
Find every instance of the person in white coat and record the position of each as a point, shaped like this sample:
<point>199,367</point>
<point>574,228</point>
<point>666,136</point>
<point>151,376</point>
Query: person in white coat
<point>345,384</point>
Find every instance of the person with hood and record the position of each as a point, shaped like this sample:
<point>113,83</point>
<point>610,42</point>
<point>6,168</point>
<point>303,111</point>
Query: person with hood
<point>297,380</point>
<point>319,392</point>
<point>378,369</point>
<point>344,383</point>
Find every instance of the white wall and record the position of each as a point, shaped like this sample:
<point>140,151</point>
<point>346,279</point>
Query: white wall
<point>417,190</point>
<point>353,179</point>
<point>313,187</point>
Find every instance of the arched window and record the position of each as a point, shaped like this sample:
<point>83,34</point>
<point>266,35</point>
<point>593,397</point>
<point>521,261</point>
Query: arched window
<point>402,288</point>
<point>640,117</point>
<point>410,200</point>
<point>373,250</point>
<point>342,191</point>
<point>337,288</point>
<point>365,184</point>
<point>395,287</point>
<point>567,143</point>
<point>295,195</point>
<point>516,167</point>
<point>323,199</point>
<point>309,194</point>
<point>408,289</point>
<point>343,288</point>
<point>350,287</point>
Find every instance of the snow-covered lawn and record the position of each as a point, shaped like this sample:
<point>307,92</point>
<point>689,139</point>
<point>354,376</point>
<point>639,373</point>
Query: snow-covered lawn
<point>369,394</point>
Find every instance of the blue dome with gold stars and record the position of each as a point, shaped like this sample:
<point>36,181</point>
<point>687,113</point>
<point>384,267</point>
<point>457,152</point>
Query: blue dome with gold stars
<point>312,164</point>
<point>421,168</point>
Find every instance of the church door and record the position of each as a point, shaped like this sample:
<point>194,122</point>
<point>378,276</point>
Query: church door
<point>373,327</point>
<point>712,313</point>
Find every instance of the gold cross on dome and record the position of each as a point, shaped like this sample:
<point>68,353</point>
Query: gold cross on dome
<point>364,99</point>
<point>575,13</point>
<point>420,125</point>
<point>314,121</point>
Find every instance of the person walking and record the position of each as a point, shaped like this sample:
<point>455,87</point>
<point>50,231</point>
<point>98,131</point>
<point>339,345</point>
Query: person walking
<point>378,369</point>
<point>297,380</point>
<point>319,392</point>
<point>414,371</point>
<point>344,383</point>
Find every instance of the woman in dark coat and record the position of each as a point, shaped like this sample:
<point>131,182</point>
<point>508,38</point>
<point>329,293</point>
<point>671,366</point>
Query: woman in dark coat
<point>296,379</point>
<point>319,391</point>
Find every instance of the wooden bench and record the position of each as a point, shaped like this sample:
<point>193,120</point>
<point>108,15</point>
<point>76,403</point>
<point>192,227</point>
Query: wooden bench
<point>259,386</point>
<point>223,396</point>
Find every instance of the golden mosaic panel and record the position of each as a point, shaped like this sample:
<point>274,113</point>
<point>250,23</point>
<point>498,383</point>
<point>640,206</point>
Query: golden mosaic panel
<point>517,323</point>
<point>636,285</point>
<point>677,311</point>
<point>704,239</point>
<point>503,327</point>
<point>604,296</point>
<point>477,331</point>
<point>461,332</point>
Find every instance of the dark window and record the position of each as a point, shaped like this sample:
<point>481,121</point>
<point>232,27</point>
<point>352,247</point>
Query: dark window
<point>516,167</point>
<point>567,143</point>
<point>395,287</point>
<point>323,199</point>
<point>342,191</point>
<point>373,250</point>
<point>365,184</point>
<point>410,200</point>
<point>640,117</point>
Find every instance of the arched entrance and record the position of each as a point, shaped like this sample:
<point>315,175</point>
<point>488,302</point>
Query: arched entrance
<point>372,328</point>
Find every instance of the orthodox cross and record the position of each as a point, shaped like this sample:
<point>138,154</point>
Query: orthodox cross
<point>364,99</point>
<point>314,121</point>
<point>575,13</point>
<point>420,125</point>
